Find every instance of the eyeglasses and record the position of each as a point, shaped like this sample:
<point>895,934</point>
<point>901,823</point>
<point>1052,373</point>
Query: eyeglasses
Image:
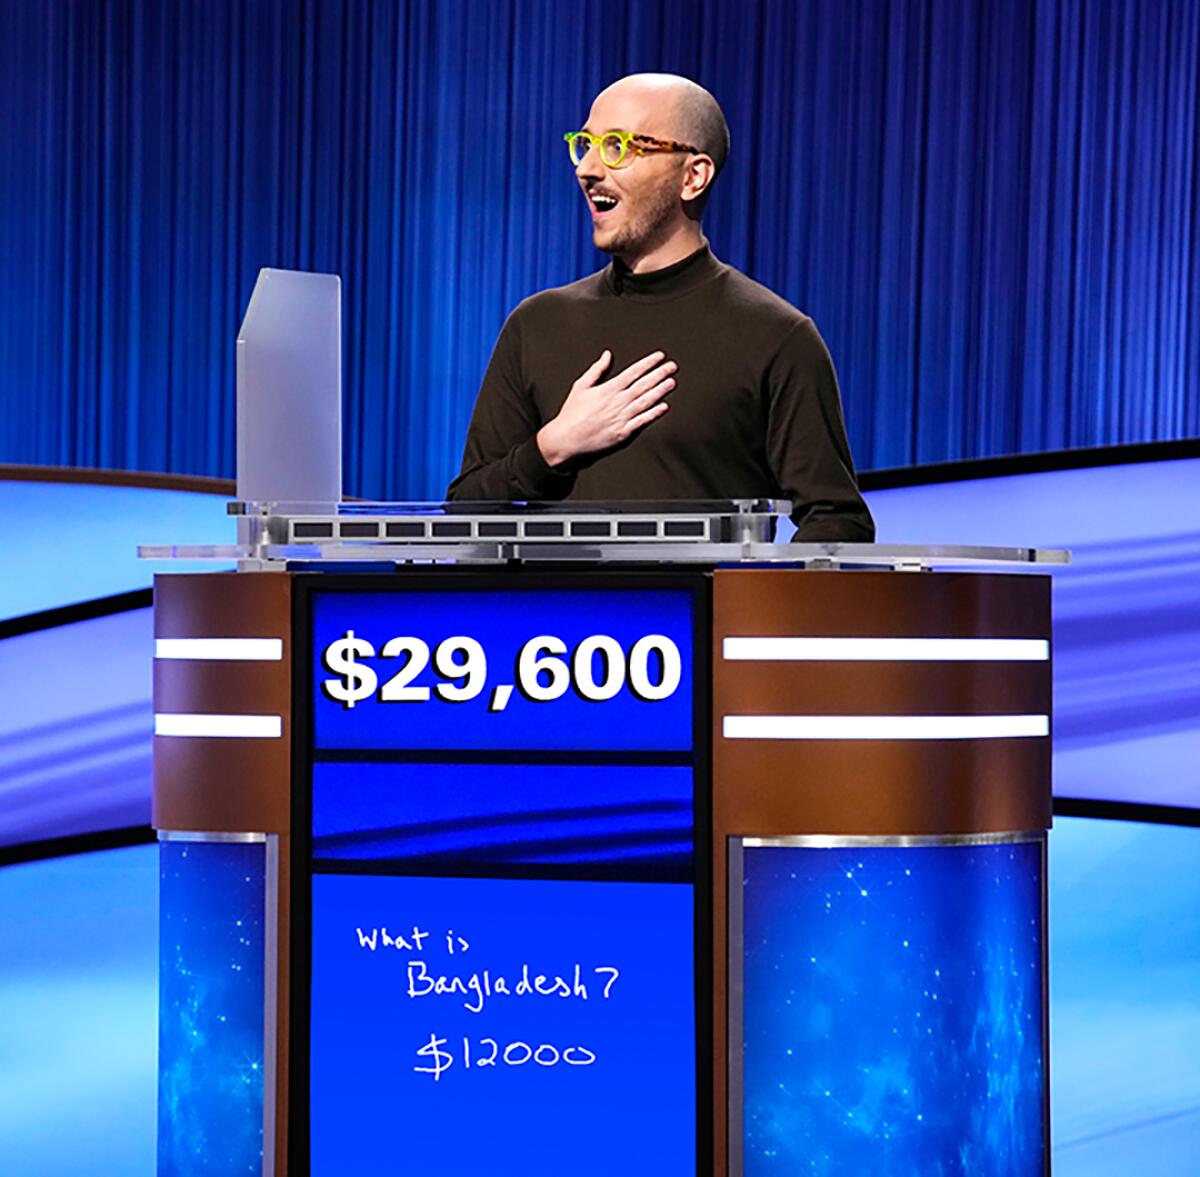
<point>618,149</point>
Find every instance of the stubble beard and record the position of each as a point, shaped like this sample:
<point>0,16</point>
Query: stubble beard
<point>642,229</point>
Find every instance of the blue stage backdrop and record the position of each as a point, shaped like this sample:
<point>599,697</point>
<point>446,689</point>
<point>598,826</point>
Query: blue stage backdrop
<point>990,208</point>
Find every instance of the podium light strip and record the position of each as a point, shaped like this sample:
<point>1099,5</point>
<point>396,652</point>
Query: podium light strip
<point>231,726</point>
<point>883,727</point>
<point>220,649</point>
<point>787,649</point>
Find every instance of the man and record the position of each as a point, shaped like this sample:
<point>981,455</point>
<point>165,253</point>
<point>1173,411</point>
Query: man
<point>667,375</point>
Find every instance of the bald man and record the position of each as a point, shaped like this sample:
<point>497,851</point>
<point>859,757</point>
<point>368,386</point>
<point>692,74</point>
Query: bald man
<point>667,375</point>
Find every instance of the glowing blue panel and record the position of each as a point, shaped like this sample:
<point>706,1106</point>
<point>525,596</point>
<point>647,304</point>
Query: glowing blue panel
<point>562,1040</point>
<point>1126,619</point>
<point>74,541</point>
<point>211,1008</point>
<point>893,1011</point>
<point>502,623</point>
<point>75,728</point>
<point>78,978</point>
<point>1124,1014</point>
<point>452,816</point>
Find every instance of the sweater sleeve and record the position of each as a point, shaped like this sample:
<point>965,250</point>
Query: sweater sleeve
<point>501,459</point>
<point>806,442</point>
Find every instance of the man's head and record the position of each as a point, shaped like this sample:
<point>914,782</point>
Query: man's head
<point>654,201</point>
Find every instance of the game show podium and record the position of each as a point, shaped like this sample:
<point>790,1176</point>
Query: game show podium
<point>613,839</point>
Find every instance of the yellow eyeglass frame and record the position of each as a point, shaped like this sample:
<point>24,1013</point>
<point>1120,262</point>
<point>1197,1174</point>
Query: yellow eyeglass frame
<point>613,147</point>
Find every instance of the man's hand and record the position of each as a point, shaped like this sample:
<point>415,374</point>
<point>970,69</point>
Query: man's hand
<point>596,416</point>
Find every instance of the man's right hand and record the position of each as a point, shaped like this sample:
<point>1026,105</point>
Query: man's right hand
<point>597,415</point>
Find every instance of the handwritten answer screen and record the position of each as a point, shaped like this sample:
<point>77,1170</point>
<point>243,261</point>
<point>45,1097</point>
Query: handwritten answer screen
<point>502,1026</point>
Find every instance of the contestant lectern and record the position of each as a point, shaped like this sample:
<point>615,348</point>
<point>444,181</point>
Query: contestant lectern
<point>605,839</point>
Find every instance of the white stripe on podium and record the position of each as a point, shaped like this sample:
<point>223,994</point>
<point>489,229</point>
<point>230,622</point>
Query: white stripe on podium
<point>784,649</point>
<point>220,649</point>
<point>883,727</point>
<point>232,726</point>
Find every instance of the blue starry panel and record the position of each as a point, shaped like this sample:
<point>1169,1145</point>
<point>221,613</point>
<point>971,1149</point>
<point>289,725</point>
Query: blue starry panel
<point>210,1036</point>
<point>893,1010</point>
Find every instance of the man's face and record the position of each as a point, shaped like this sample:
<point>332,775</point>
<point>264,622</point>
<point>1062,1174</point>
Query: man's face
<point>646,191</point>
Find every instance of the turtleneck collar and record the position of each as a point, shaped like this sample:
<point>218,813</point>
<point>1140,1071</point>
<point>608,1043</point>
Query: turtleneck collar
<point>667,283</point>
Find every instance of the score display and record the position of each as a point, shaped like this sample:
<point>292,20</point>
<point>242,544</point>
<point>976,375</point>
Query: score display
<point>503,971</point>
<point>521,669</point>
<point>542,674</point>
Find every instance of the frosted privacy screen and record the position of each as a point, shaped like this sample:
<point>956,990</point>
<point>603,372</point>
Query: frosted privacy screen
<point>289,389</point>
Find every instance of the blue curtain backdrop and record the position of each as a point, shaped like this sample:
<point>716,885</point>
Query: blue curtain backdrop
<point>989,207</point>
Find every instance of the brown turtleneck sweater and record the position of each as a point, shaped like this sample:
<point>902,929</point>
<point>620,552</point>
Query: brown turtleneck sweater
<point>755,412</point>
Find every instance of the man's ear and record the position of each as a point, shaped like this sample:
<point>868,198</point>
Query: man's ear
<point>698,176</point>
